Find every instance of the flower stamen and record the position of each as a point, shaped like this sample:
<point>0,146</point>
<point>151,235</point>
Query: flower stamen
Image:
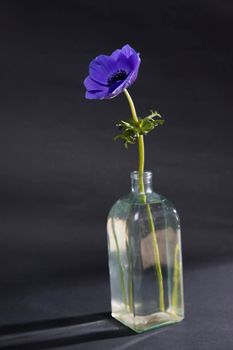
<point>118,75</point>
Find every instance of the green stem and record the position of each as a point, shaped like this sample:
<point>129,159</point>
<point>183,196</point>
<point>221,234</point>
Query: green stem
<point>157,258</point>
<point>122,279</point>
<point>141,153</point>
<point>132,107</point>
<point>130,280</point>
<point>176,278</point>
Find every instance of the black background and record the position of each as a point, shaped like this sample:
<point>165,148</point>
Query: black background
<point>61,171</point>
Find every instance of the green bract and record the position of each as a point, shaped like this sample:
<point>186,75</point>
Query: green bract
<point>130,130</point>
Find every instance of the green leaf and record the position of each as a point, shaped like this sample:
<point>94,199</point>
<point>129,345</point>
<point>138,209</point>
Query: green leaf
<point>130,132</point>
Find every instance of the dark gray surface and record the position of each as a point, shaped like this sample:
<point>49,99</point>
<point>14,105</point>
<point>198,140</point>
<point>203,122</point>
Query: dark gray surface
<point>60,171</point>
<point>207,324</point>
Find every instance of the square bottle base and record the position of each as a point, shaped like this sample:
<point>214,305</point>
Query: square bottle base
<point>140,324</point>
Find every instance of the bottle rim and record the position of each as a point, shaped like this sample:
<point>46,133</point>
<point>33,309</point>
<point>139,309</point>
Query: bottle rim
<point>135,175</point>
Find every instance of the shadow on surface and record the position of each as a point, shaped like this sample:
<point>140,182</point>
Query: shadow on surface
<point>58,332</point>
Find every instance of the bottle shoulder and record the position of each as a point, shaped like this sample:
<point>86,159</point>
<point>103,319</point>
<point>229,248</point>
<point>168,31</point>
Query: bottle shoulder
<point>132,205</point>
<point>133,200</point>
<point>149,198</point>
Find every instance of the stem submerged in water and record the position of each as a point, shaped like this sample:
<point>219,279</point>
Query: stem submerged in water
<point>121,270</point>
<point>176,278</point>
<point>141,154</point>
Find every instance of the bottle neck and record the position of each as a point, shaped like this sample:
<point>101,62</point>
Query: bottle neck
<point>137,180</point>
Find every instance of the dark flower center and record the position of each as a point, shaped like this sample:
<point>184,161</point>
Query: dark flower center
<point>119,75</point>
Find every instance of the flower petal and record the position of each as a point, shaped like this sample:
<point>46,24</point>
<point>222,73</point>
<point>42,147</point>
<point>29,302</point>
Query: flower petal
<point>90,84</point>
<point>101,68</point>
<point>90,96</point>
<point>118,87</point>
<point>123,63</point>
<point>127,50</point>
<point>134,61</point>
<point>94,89</point>
<point>131,79</point>
<point>115,54</point>
<point>96,95</point>
<point>115,85</point>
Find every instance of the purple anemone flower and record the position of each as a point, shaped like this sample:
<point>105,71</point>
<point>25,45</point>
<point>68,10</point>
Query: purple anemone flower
<point>110,75</point>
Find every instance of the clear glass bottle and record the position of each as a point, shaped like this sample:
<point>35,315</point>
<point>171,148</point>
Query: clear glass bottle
<point>145,261</point>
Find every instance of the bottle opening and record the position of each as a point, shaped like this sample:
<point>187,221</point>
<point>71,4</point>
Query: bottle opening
<point>135,175</point>
<point>141,183</point>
